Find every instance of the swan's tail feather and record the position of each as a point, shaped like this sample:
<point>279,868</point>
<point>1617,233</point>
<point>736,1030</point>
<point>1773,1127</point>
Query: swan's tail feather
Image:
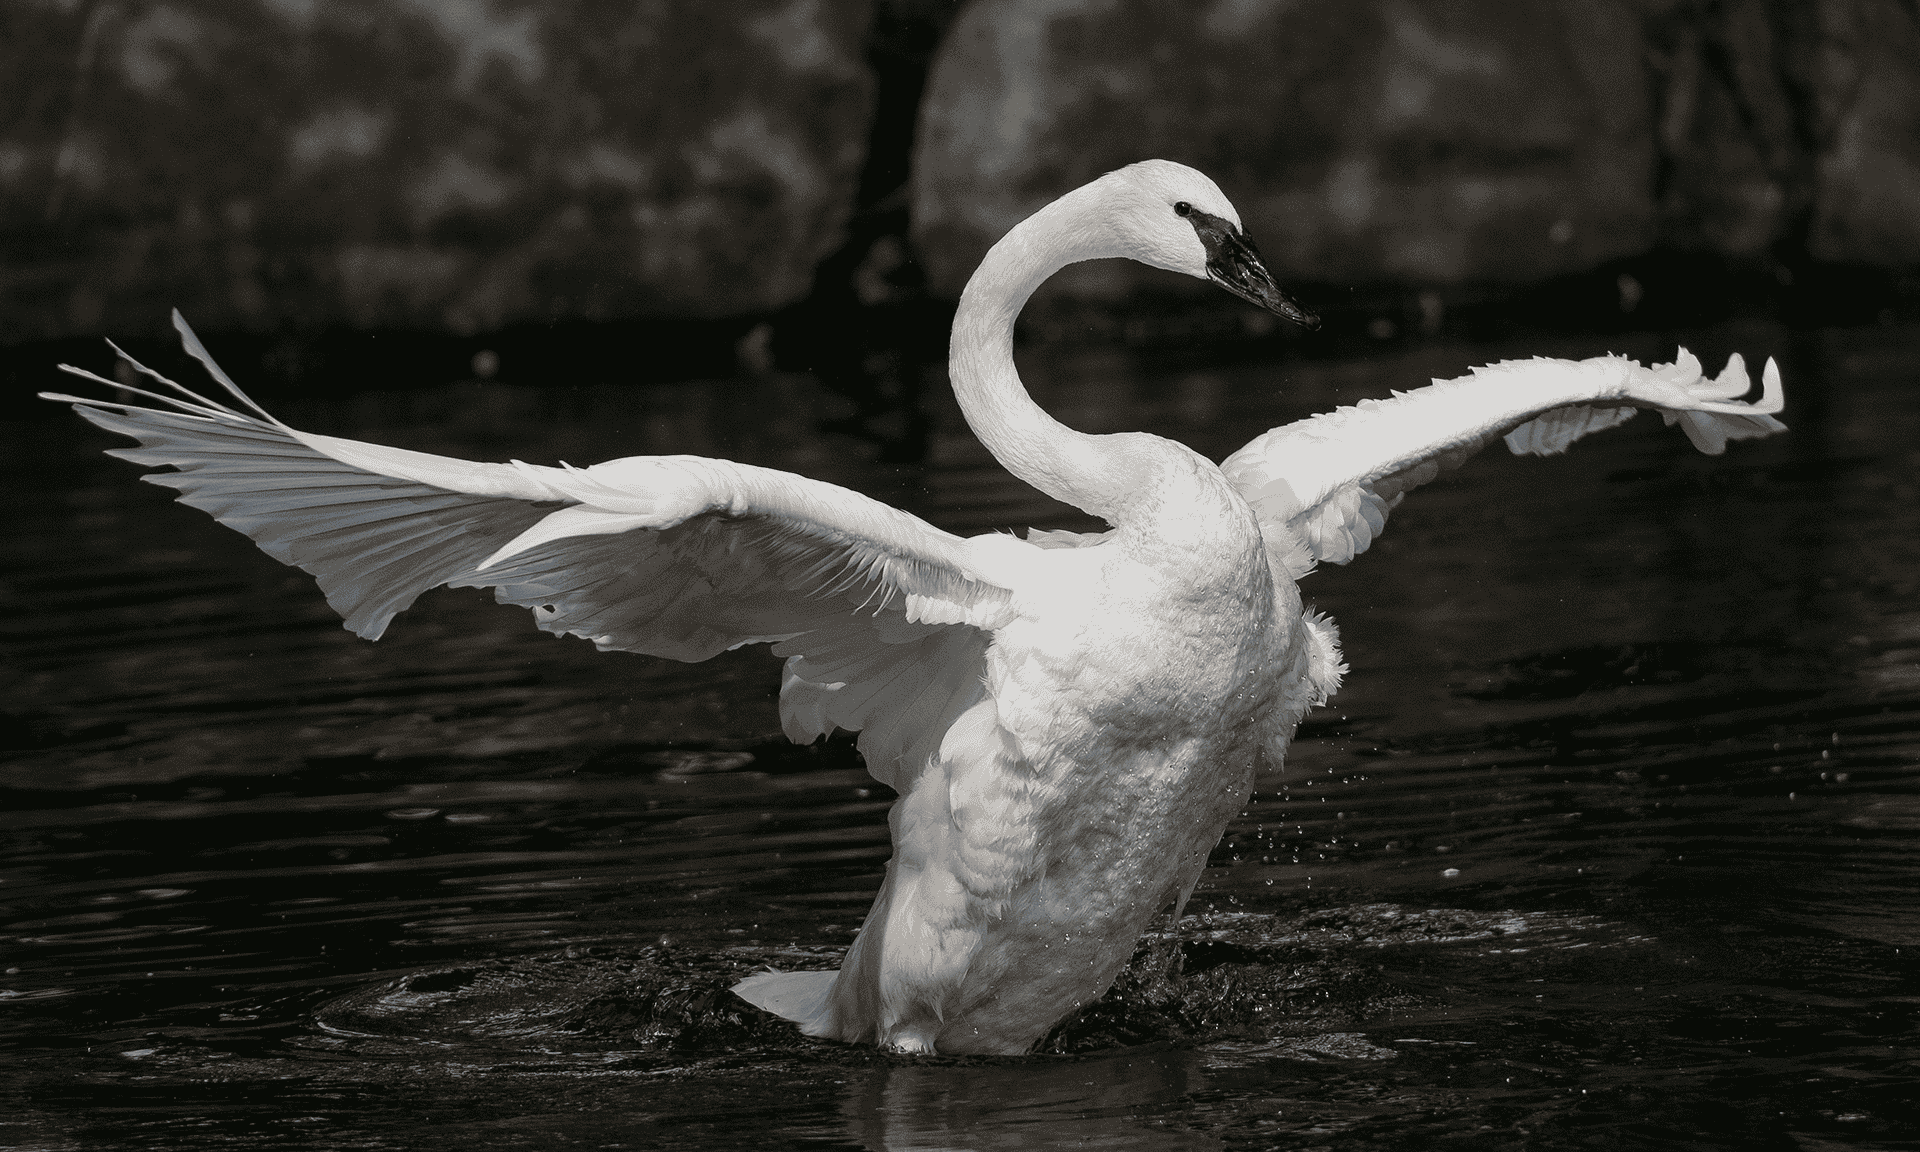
<point>797,996</point>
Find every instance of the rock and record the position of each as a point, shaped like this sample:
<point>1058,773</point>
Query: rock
<point>1362,140</point>
<point>436,164</point>
<point>1794,123</point>
<point>1866,201</point>
<point>1736,167</point>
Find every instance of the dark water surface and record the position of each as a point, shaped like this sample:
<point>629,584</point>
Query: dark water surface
<point>1612,841</point>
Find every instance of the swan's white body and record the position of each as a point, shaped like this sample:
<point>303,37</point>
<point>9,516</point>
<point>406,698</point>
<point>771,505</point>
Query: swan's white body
<point>1070,720</point>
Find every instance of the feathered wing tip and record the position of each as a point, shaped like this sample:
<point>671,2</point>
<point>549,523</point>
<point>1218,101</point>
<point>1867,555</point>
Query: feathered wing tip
<point>797,996</point>
<point>1708,414</point>
<point>199,352</point>
<point>186,401</point>
<point>1704,408</point>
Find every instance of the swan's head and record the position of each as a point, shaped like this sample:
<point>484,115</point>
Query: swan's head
<point>1172,217</point>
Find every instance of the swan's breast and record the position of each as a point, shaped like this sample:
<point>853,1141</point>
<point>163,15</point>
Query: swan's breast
<point>1128,696</point>
<point>1156,634</point>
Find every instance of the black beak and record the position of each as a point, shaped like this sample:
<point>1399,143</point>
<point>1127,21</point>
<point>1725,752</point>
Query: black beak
<point>1234,264</point>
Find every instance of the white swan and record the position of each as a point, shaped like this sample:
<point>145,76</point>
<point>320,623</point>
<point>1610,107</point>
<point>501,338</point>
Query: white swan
<point>1069,720</point>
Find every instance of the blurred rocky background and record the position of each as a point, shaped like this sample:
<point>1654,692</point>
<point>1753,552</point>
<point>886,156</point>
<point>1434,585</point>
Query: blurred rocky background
<point>651,187</point>
<point>1462,148</point>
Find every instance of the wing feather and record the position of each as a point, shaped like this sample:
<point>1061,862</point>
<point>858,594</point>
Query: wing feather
<point>901,684</point>
<point>241,472</point>
<point>883,616</point>
<point>1323,487</point>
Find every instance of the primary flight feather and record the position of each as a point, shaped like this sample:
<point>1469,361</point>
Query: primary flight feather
<point>1056,790</point>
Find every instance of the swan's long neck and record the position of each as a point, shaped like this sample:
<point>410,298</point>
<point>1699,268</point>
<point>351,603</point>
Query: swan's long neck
<point>1098,474</point>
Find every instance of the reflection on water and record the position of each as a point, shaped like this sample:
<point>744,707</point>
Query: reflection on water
<point>1609,842</point>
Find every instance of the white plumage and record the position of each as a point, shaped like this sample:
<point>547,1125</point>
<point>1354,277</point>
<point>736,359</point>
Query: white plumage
<point>1070,720</point>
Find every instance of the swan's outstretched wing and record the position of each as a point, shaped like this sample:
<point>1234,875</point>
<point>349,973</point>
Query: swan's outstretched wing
<point>675,556</point>
<point>1323,486</point>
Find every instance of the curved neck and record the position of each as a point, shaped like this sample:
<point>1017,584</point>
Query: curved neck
<point>1097,474</point>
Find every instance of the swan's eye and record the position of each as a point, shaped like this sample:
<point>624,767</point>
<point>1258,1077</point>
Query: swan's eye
<point>1183,209</point>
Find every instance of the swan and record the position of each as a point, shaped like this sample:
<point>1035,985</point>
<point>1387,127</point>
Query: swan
<point>1069,719</point>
